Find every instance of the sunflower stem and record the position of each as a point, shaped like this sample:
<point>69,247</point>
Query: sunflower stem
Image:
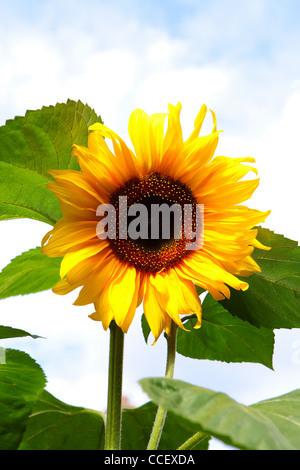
<point>114,395</point>
<point>193,441</point>
<point>162,412</point>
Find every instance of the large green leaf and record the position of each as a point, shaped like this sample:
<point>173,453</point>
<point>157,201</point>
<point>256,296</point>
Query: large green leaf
<point>284,412</point>
<point>54,425</point>
<point>21,382</point>
<point>270,425</point>
<point>28,273</point>
<point>273,297</point>
<point>137,426</point>
<point>32,145</point>
<point>224,337</point>
<point>8,332</point>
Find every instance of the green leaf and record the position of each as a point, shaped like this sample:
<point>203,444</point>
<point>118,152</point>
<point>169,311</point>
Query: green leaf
<point>54,425</point>
<point>21,382</point>
<point>270,425</point>
<point>145,328</point>
<point>30,272</point>
<point>32,145</point>
<point>224,337</point>
<point>137,426</point>
<point>23,194</point>
<point>200,290</point>
<point>273,297</point>
<point>8,332</point>
<point>284,412</point>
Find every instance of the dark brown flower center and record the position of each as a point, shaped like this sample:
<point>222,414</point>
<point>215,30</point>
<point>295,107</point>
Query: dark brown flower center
<point>159,246</point>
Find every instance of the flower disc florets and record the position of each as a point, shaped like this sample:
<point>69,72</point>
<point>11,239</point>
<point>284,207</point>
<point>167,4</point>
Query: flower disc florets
<point>154,191</point>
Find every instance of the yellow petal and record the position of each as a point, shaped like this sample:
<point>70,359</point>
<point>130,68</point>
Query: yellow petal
<point>76,197</point>
<point>146,134</point>
<point>193,158</point>
<point>74,257</point>
<point>124,158</point>
<point>209,275</point>
<point>79,180</point>
<point>118,299</point>
<point>198,124</point>
<point>173,141</point>
<point>168,295</point>
<point>93,278</point>
<point>259,245</point>
<point>63,287</point>
<point>232,194</point>
<point>156,317</point>
<point>69,235</point>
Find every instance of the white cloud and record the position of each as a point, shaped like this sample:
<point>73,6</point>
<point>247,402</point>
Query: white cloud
<point>104,80</point>
<point>276,150</point>
<point>192,86</point>
<point>37,71</point>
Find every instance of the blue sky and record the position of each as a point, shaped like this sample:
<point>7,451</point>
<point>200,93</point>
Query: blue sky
<point>241,58</point>
<point>251,48</point>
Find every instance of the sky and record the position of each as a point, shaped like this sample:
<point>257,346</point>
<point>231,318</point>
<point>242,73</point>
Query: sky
<point>241,59</point>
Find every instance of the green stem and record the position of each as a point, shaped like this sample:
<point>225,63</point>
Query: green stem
<point>162,412</point>
<point>193,441</point>
<point>114,396</point>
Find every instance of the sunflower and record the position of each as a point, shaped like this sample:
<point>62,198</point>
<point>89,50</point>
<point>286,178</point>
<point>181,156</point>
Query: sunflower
<point>118,273</point>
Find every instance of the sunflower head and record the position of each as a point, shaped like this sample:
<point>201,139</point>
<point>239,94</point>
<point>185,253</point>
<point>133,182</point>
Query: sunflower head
<point>130,226</point>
